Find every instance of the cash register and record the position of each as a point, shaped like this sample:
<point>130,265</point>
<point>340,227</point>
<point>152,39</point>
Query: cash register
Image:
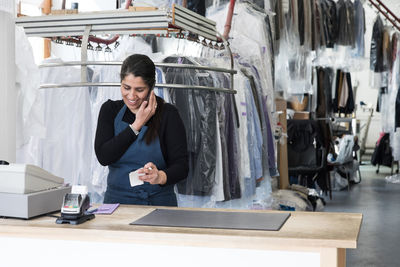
<point>27,191</point>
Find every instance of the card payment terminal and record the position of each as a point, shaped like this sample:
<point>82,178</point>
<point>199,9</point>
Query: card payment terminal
<point>73,209</point>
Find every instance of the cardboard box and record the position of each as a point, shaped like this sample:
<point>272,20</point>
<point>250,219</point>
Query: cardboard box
<point>301,115</point>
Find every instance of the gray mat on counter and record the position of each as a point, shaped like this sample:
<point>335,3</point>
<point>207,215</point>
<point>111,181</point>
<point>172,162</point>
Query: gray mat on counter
<point>214,219</point>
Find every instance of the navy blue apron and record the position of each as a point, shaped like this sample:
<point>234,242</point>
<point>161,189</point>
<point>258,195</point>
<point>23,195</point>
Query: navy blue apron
<point>138,154</point>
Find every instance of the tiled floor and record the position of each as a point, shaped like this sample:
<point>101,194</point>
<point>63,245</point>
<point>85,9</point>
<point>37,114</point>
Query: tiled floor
<point>379,202</point>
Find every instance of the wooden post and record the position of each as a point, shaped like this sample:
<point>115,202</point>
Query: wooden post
<point>282,148</point>
<point>46,9</point>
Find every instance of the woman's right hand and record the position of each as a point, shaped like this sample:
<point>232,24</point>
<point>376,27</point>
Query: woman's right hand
<point>146,111</point>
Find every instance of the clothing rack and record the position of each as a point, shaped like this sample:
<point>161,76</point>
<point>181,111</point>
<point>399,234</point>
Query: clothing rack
<point>178,22</point>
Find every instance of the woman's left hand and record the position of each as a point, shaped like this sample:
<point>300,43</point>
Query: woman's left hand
<point>152,175</point>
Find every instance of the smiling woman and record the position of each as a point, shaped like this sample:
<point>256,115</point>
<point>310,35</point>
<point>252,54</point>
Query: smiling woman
<point>141,133</point>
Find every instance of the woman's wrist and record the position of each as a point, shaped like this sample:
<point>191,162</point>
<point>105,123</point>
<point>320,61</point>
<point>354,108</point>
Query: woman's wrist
<point>162,176</point>
<point>135,126</point>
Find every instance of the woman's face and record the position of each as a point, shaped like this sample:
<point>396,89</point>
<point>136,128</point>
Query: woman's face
<point>134,91</point>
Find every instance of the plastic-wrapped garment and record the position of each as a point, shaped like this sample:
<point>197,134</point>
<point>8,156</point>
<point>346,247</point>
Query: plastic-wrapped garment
<point>376,55</point>
<point>244,162</point>
<point>67,148</point>
<point>225,112</point>
<point>394,54</point>
<point>386,47</point>
<point>346,23</point>
<point>344,100</point>
<point>30,109</point>
<point>345,153</point>
<point>329,22</point>
<point>324,92</point>
<point>98,96</point>
<point>218,188</point>
<point>257,48</point>
<point>397,115</point>
<point>359,28</point>
<point>387,103</point>
<point>278,23</point>
<point>198,112</point>
<point>254,137</point>
<point>395,144</point>
<point>261,101</point>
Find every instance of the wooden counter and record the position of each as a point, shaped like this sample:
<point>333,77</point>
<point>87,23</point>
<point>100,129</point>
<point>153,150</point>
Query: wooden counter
<point>328,234</point>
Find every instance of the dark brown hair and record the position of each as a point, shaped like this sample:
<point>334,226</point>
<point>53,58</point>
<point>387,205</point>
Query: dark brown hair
<point>142,66</point>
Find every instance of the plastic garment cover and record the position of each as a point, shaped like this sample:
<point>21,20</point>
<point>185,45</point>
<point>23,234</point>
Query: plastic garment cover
<point>345,153</point>
<point>376,54</point>
<point>395,144</point>
<point>256,48</point>
<point>261,102</point>
<point>391,120</point>
<point>240,98</point>
<point>324,92</point>
<point>295,63</point>
<point>344,100</point>
<point>67,148</point>
<point>30,114</point>
<point>345,15</point>
<point>359,28</point>
<point>329,22</point>
<point>226,119</point>
<point>198,112</point>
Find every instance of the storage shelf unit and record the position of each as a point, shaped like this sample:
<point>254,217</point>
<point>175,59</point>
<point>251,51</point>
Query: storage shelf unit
<point>160,22</point>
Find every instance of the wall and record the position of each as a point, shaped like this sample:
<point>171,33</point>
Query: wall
<point>7,82</point>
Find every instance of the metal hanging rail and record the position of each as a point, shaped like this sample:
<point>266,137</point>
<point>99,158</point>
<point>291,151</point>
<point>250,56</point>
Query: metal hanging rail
<point>158,85</point>
<point>385,11</point>
<point>119,63</point>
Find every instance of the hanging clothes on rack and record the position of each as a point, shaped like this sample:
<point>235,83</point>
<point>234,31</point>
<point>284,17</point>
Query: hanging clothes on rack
<point>198,112</point>
<point>346,23</point>
<point>359,28</point>
<point>344,100</point>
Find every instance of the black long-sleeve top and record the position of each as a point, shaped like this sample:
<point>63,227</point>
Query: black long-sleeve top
<point>109,147</point>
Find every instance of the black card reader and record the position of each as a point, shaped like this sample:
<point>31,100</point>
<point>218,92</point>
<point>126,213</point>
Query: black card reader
<point>73,209</point>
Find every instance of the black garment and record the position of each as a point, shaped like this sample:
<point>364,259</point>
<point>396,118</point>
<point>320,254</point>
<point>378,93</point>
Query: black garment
<point>376,55</point>
<point>330,22</point>
<point>306,151</point>
<point>300,15</point>
<point>198,111</point>
<point>198,6</point>
<point>345,14</point>
<point>109,148</point>
<point>382,91</point>
<point>324,92</point>
<point>343,77</point>
<point>383,152</point>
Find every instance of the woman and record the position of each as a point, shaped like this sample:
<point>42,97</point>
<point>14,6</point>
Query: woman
<point>141,132</point>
